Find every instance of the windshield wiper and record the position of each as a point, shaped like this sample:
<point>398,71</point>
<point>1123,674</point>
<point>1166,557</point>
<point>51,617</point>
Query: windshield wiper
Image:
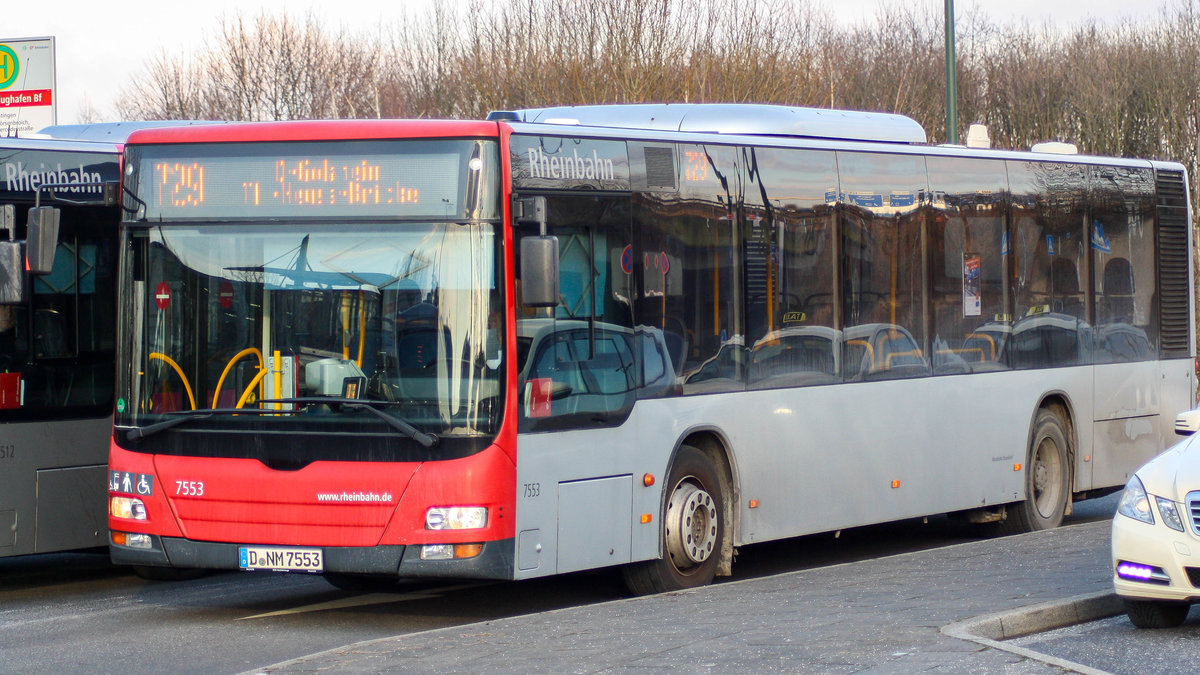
<point>426,440</point>
<point>178,417</point>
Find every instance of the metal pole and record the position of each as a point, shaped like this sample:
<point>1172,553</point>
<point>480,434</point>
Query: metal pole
<point>951,78</point>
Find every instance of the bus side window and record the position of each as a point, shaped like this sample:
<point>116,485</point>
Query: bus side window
<point>881,219</point>
<point>582,368</point>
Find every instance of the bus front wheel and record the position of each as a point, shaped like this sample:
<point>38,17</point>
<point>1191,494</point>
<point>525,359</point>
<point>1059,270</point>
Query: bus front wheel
<point>1047,478</point>
<point>691,526</point>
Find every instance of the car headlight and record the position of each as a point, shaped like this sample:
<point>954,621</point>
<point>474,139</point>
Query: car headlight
<point>1170,514</point>
<point>456,518</point>
<point>1134,502</point>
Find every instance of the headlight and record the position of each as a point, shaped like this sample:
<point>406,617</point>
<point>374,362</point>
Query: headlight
<point>1170,515</point>
<point>456,518</point>
<point>130,508</point>
<point>1134,502</point>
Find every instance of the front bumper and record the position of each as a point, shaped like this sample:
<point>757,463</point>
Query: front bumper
<point>494,562</point>
<point>1157,547</point>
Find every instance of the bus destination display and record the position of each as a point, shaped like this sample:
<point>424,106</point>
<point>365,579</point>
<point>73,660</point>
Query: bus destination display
<point>216,187</point>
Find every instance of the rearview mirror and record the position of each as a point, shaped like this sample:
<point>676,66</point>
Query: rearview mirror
<point>41,240</point>
<point>539,271</point>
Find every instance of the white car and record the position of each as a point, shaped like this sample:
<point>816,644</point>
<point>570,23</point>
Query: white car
<point>1156,534</point>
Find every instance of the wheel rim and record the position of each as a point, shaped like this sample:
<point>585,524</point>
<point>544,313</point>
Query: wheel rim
<point>1047,478</point>
<point>691,525</point>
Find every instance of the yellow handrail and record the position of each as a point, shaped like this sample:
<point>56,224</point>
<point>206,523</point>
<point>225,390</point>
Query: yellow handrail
<point>170,362</point>
<point>229,367</point>
<point>277,369</point>
<point>867,347</point>
<point>246,394</point>
<point>914,353</point>
<point>964,350</point>
<point>984,336</point>
<point>362,327</point>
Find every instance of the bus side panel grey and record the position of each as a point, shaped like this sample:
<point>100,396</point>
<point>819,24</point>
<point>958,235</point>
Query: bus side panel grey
<point>77,511</point>
<point>590,536</point>
<point>529,550</point>
<point>8,529</point>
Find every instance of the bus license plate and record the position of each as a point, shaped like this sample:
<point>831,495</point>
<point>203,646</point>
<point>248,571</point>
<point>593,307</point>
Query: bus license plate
<point>281,559</point>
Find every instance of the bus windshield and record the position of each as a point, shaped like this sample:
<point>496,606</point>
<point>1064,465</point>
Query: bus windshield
<point>297,324</point>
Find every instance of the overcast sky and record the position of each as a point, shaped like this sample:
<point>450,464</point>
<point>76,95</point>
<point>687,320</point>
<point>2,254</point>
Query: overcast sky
<point>100,45</point>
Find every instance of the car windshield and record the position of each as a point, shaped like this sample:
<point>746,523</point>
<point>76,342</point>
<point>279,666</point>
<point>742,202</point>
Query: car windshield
<point>299,320</point>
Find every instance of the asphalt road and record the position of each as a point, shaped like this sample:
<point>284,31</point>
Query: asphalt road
<point>1114,645</point>
<point>75,612</point>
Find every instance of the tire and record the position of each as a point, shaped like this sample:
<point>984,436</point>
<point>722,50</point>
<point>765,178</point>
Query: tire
<point>692,527</point>
<point>1047,479</point>
<point>1151,614</point>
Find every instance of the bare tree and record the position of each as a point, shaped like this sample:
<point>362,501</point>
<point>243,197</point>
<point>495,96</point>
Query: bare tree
<point>87,113</point>
<point>1131,89</point>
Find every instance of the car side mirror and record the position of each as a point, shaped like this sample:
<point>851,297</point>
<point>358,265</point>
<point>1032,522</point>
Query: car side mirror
<point>1187,422</point>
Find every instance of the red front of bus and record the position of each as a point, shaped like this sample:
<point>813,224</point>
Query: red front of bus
<point>314,364</point>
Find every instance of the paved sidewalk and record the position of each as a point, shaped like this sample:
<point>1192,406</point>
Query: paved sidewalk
<point>877,616</point>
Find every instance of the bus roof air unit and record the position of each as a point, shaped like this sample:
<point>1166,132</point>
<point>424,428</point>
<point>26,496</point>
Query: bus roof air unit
<point>731,118</point>
<point>1055,148</point>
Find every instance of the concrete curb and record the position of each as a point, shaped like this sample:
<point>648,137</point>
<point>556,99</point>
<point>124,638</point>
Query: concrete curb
<point>990,629</point>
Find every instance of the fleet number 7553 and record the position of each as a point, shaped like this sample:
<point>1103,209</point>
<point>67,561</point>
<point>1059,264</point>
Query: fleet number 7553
<point>189,488</point>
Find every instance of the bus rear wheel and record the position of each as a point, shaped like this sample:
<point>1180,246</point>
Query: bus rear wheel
<point>692,527</point>
<point>1047,478</point>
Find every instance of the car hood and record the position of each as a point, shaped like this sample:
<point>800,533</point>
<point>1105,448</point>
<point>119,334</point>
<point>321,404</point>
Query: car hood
<point>1175,472</point>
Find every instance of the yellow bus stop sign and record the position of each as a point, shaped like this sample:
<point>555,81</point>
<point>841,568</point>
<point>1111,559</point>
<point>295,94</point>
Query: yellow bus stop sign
<point>9,66</point>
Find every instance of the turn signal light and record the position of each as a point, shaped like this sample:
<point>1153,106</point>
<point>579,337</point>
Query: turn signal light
<point>467,550</point>
<point>450,551</point>
<point>131,540</point>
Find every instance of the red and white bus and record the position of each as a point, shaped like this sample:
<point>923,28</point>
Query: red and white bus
<point>636,336</point>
